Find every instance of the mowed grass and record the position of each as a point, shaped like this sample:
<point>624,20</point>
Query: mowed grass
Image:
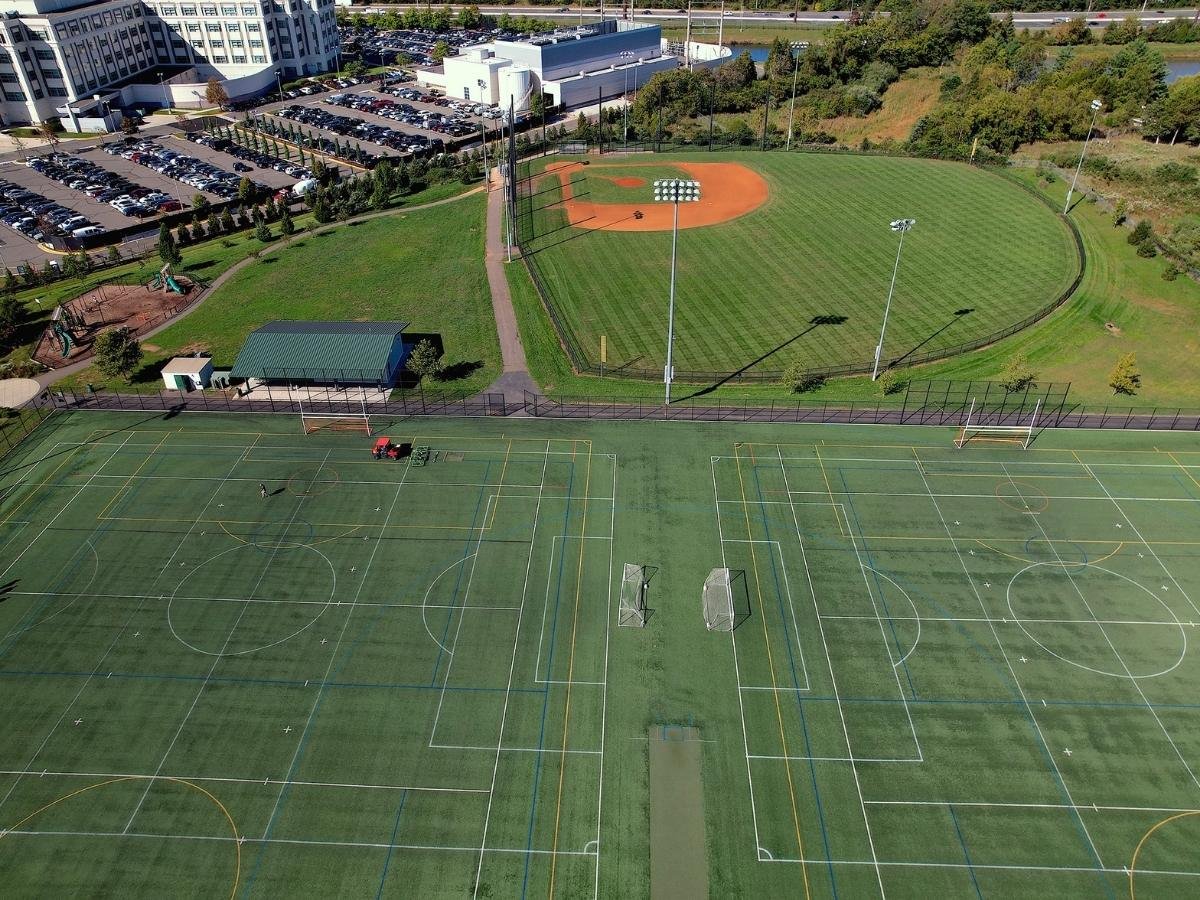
<point>984,254</point>
<point>598,184</point>
<point>928,693</point>
<point>424,268</point>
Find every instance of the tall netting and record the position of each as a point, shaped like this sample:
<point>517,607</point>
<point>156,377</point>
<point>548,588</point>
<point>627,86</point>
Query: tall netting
<point>632,610</point>
<point>718,601</point>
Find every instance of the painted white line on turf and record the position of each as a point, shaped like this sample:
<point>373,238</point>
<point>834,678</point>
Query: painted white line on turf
<point>433,789</point>
<point>985,804</point>
<point>612,530</point>
<point>216,660</point>
<point>282,601</point>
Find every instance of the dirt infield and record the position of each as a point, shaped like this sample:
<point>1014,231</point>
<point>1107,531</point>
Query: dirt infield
<point>727,191</point>
<point>138,307</point>
<point>627,182</point>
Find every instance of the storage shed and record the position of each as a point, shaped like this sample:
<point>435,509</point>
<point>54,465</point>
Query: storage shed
<point>188,373</point>
<point>323,353</point>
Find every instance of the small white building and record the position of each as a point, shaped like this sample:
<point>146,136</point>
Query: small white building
<point>188,373</point>
<point>572,66</point>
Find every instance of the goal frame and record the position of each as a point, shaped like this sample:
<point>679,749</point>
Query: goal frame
<point>718,617</point>
<point>312,422</point>
<point>632,608</point>
<point>1004,434</point>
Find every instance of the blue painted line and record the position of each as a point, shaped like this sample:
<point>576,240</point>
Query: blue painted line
<point>966,854</point>
<point>437,661</point>
<point>812,770</point>
<point>537,762</point>
<point>388,859</point>
<point>878,584</point>
<point>275,682</point>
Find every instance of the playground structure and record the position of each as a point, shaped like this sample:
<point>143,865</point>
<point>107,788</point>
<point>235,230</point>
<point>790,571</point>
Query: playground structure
<point>129,302</point>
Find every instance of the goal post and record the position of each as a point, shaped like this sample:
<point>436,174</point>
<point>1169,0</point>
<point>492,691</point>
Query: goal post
<point>718,601</point>
<point>632,610</point>
<point>1005,434</point>
<point>323,421</point>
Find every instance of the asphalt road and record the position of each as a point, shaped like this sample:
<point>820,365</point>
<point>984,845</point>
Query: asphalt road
<point>808,17</point>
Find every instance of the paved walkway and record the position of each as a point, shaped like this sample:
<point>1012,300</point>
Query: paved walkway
<point>515,379</point>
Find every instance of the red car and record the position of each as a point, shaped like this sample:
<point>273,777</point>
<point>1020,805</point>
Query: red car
<point>170,206</point>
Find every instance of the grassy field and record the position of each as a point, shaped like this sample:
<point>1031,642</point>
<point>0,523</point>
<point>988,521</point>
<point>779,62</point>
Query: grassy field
<point>380,269</point>
<point>947,677</point>
<point>983,255</point>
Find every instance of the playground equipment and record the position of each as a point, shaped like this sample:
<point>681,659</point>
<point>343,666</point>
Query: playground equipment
<point>164,281</point>
<point>63,320</point>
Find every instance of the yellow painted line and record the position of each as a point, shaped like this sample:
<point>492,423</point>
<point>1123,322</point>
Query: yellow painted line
<point>1184,468</point>
<point>828,489</point>
<point>237,845</point>
<point>1145,837</point>
<point>1023,559</point>
<point>775,687</point>
<point>499,486</point>
<point>562,764</point>
<point>129,480</point>
<point>26,498</point>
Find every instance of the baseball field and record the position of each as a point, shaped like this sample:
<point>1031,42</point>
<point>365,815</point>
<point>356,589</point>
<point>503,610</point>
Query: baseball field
<point>786,257</point>
<point>951,672</point>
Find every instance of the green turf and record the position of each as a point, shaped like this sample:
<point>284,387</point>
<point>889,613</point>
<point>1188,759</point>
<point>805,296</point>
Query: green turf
<point>984,255</point>
<point>596,185</point>
<point>320,680</point>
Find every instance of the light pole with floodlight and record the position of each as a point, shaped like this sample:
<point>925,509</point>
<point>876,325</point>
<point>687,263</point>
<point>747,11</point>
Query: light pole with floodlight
<point>1096,107</point>
<point>674,191</point>
<point>901,227</point>
<point>795,46</point>
<point>626,55</point>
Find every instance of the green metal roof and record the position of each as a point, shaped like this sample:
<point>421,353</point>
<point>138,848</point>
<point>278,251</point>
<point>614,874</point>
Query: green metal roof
<point>319,351</point>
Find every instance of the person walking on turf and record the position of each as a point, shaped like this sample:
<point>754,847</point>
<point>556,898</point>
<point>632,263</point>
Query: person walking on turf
<point>262,490</point>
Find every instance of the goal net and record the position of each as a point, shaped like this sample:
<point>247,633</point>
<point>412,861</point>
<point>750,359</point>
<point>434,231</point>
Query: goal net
<point>632,610</point>
<point>718,601</point>
<point>323,421</point>
<point>979,430</point>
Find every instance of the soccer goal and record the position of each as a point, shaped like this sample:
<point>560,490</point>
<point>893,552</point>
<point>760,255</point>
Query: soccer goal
<point>1005,434</point>
<point>718,601</point>
<point>355,421</point>
<point>632,610</point>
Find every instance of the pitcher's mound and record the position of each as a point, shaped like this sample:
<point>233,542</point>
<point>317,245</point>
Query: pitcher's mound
<point>628,182</point>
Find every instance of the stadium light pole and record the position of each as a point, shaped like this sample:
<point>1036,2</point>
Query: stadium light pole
<point>795,45</point>
<point>902,227</point>
<point>626,55</point>
<point>1096,107</point>
<point>673,191</point>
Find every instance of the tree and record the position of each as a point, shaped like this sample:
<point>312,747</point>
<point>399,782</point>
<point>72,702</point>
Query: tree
<point>263,231</point>
<point>799,379</point>
<point>113,254</point>
<point>11,283</point>
<point>245,191</point>
<point>1017,375</point>
<point>48,131</point>
<point>226,220</point>
<point>214,93</point>
<point>286,226</point>
<point>322,215</point>
<point>116,352</point>
<point>168,247</point>
<point>424,361</point>
<point>356,69</point>
<point>199,202</point>
<point>1143,231</point>
<point>12,313</point>
<point>470,172</point>
<point>440,51</point>
<point>128,125</point>
<point>1124,378</point>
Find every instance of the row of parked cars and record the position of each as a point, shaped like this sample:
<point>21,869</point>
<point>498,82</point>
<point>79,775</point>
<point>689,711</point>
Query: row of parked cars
<point>249,155</point>
<point>356,129</point>
<point>193,172</point>
<point>38,218</point>
<point>452,124</point>
<point>103,186</point>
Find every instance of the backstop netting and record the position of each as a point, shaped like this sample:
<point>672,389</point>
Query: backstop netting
<point>632,610</point>
<point>718,601</point>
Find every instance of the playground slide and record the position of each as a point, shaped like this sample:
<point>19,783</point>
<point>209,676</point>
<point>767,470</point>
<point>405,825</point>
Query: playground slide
<point>173,285</point>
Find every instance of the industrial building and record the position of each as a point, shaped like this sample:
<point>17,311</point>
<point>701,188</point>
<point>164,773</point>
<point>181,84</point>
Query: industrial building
<point>80,60</point>
<point>572,66</point>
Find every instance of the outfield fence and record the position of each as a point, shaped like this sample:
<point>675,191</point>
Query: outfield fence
<point>524,199</point>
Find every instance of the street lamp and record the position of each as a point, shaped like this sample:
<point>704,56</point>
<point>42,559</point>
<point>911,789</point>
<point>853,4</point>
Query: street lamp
<point>279,82</point>
<point>674,191</point>
<point>901,227</point>
<point>1096,107</point>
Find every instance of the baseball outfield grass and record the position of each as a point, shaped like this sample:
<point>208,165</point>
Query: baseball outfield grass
<point>805,276</point>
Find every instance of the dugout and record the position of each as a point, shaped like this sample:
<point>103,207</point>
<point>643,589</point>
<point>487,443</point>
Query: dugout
<point>325,354</point>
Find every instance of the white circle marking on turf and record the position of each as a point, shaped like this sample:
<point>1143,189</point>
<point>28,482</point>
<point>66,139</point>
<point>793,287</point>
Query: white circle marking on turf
<point>303,628</point>
<point>1020,622</point>
<point>425,599</point>
<point>916,615</point>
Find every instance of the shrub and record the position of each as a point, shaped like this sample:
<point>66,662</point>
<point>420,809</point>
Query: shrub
<point>893,382</point>
<point>1017,375</point>
<point>801,380</point>
<point>1141,233</point>
<point>1147,250</point>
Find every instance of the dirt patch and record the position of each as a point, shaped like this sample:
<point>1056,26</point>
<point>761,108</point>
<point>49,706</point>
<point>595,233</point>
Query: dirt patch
<point>678,859</point>
<point>628,182</point>
<point>1112,328</point>
<point>136,306</point>
<point>727,191</point>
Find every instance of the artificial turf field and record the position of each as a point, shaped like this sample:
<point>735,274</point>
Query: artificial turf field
<point>958,672</point>
<point>984,254</point>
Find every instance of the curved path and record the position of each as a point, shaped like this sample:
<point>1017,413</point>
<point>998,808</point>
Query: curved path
<point>46,379</point>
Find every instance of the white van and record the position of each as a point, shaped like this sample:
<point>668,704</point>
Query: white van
<point>88,231</point>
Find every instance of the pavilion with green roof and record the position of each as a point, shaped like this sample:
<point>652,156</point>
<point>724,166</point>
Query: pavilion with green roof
<point>323,353</point>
